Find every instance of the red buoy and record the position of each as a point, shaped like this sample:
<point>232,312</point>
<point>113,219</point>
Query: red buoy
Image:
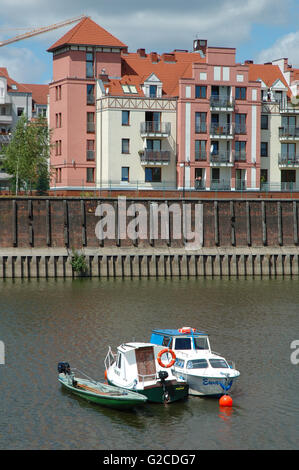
<point>226,400</point>
<point>105,374</point>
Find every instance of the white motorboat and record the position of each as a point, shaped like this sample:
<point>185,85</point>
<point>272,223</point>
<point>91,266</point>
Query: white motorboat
<point>135,367</point>
<point>206,372</point>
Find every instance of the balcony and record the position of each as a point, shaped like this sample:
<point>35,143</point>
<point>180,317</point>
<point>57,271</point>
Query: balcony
<point>288,108</point>
<point>222,159</point>
<point>225,131</point>
<point>291,161</point>
<point>154,157</point>
<point>220,185</point>
<point>5,119</point>
<point>240,185</point>
<point>5,138</point>
<point>289,133</point>
<point>155,129</point>
<point>221,103</point>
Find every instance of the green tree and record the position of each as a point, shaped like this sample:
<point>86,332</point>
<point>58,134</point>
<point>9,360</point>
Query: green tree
<point>27,155</point>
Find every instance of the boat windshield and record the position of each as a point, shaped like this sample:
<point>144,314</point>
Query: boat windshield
<point>197,364</point>
<point>219,364</point>
<point>187,343</point>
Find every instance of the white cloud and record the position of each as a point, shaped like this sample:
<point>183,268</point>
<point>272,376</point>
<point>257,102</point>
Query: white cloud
<point>22,65</point>
<point>285,47</point>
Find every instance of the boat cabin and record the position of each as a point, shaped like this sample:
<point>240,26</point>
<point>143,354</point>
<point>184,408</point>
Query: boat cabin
<point>136,362</point>
<point>181,341</point>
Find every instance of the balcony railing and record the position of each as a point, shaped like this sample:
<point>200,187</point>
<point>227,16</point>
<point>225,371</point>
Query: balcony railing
<point>90,155</point>
<point>220,185</point>
<point>226,130</point>
<point>288,160</point>
<point>155,127</point>
<point>289,108</point>
<point>290,132</point>
<point>222,158</point>
<point>200,156</point>
<point>5,138</point>
<point>240,185</point>
<point>90,127</point>
<point>221,102</point>
<point>154,156</point>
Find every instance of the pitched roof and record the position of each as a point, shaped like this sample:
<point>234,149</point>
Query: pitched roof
<point>168,68</point>
<point>87,32</point>
<point>12,85</point>
<point>267,72</point>
<point>39,92</point>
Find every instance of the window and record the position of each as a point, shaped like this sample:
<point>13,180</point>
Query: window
<point>200,91</point>
<point>197,364</point>
<point>153,91</point>
<point>153,144</point>
<point>264,176</point>
<point>58,92</point>
<point>200,150</point>
<point>201,343</point>
<point>58,147</point>
<point>90,94</point>
<point>20,111</point>
<point>183,343</point>
<point>125,145</point>
<point>240,93</point>
<point>58,175</point>
<point>125,173</point>
<point>125,118</point>
<point>90,150</point>
<point>89,65</point>
<point>264,121</point>
<point>3,111</point>
<point>264,149</point>
<point>58,119</point>
<point>153,175</point>
<point>90,175</point>
<point>240,150</point>
<point>240,121</point>
<point>201,122</point>
<point>129,89</point>
<point>167,341</point>
<point>179,363</point>
<point>219,364</point>
<point>90,122</point>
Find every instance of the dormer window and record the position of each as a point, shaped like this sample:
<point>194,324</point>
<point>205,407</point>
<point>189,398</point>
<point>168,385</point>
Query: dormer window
<point>14,87</point>
<point>153,91</point>
<point>129,89</point>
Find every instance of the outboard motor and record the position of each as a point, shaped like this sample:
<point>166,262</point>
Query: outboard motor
<point>64,368</point>
<point>163,376</point>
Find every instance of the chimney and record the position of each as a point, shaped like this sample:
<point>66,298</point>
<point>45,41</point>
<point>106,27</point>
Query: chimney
<point>248,61</point>
<point>200,45</point>
<point>154,56</point>
<point>168,57</point>
<point>141,52</point>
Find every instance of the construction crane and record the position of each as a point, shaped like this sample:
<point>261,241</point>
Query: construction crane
<point>44,29</point>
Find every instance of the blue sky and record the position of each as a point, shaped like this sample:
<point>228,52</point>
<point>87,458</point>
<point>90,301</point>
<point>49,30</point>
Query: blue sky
<point>260,30</point>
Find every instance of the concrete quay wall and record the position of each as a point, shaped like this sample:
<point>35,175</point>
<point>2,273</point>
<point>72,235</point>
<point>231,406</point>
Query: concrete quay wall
<point>129,263</point>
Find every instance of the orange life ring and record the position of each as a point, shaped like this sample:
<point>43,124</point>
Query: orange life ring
<point>186,329</point>
<point>160,354</point>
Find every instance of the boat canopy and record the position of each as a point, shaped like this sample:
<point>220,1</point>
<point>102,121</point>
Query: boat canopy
<point>172,333</point>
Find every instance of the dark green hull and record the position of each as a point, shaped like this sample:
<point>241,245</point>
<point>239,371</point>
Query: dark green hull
<point>110,401</point>
<point>156,394</point>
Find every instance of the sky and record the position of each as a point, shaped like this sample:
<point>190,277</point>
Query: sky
<point>260,30</point>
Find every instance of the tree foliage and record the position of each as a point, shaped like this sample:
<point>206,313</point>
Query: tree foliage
<point>27,155</point>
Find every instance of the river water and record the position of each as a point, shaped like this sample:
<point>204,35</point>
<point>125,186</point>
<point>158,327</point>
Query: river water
<point>250,321</point>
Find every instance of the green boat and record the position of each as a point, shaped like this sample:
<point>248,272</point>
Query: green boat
<point>96,392</point>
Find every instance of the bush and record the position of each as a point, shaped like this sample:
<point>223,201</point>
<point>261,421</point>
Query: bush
<point>78,263</point>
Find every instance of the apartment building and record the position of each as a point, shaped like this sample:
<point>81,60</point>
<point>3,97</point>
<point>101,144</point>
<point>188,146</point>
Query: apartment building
<point>174,120</point>
<point>279,146</point>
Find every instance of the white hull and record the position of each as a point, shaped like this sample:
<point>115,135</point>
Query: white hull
<point>206,386</point>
